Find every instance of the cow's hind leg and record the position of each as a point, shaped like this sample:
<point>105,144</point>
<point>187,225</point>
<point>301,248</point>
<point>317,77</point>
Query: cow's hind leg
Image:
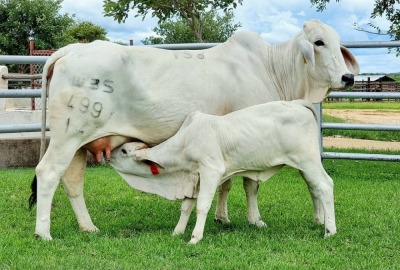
<point>73,185</point>
<point>253,214</point>
<point>320,185</point>
<point>186,210</point>
<point>221,212</point>
<point>49,172</point>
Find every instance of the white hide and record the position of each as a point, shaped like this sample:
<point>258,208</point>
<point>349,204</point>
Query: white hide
<point>254,142</point>
<point>140,93</point>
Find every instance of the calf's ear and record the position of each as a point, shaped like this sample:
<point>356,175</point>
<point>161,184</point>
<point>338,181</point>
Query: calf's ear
<point>307,49</point>
<point>143,157</point>
<point>350,60</point>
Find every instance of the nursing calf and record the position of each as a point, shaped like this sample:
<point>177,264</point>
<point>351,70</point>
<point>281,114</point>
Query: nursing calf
<point>207,150</point>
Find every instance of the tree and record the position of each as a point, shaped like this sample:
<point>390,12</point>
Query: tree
<point>216,29</point>
<point>381,8</point>
<point>84,30</point>
<point>19,17</point>
<point>192,12</point>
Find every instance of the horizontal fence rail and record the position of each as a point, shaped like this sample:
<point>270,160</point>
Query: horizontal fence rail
<point>17,59</point>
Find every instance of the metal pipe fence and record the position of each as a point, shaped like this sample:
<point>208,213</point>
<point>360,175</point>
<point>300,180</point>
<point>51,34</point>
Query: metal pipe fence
<point>12,59</point>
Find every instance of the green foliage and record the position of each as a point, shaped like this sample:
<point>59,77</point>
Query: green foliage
<point>216,29</point>
<point>84,30</point>
<point>19,17</point>
<point>192,12</point>
<point>135,228</point>
<point>387,8</point>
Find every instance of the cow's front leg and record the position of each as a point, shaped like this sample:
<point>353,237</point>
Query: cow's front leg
<point>73,184</point>
<point>253,213</point>
<point>221,212</point>
<point>209,181</point>
<point>186,210</point>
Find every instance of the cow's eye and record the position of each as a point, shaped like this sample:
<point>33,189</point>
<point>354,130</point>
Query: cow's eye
<point>319,43</point>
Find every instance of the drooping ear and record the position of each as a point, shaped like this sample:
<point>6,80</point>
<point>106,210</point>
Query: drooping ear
<point>307,49</point>
<point>144,157</point>
<point>350,60</point>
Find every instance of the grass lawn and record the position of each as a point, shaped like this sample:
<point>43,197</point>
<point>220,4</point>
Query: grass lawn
<point>136,227</point>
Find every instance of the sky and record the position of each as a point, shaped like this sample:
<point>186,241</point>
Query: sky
<point>275,20</point>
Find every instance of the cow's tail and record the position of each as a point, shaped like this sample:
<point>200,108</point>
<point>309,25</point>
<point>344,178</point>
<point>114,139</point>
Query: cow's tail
<point>33,198</point>
<point>46,77</point>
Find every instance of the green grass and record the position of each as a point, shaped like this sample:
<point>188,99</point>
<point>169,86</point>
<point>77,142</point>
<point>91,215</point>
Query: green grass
<point>136,227</point>
<point>381,106</point>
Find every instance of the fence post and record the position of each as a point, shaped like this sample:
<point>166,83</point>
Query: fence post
<point>3,82</point>
<point>3,85</point>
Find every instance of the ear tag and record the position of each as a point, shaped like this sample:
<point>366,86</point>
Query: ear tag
<point>154,169</point>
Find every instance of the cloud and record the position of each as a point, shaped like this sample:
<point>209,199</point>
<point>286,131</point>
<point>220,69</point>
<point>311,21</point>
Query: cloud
<point>275,20</point>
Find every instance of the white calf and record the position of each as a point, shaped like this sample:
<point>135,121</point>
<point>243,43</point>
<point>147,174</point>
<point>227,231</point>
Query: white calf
<point>255,142</point>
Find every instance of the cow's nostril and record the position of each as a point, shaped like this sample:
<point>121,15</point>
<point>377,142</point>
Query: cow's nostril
<point>348,79</point>
<point>124,152</point>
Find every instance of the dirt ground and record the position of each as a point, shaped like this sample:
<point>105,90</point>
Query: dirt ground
<point>363,117</point>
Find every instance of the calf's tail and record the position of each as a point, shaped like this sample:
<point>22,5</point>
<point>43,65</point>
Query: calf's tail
<point>33,198</point>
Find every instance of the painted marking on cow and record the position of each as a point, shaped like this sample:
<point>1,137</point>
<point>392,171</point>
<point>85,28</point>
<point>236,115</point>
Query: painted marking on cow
<point>85,105</point>
<point>70,104</point>
<point>189,55</point>
<point>96,109</point>
<point>108,85</point>
<point>68,120</point>
<point>94,84</point>
<point>78,81</point>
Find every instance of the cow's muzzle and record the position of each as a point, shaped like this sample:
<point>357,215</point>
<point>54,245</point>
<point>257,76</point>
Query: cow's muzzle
<point>348,79</point>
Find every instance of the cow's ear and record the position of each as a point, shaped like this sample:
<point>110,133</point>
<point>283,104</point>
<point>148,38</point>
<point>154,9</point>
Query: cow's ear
<point>307,49</point>
<point>351,61</point>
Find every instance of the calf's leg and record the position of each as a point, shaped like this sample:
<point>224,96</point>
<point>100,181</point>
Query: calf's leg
<point>186,210</point>
<point>209,181</point>
<point>221,212</point>
<point>320,185</point>
<point>73,184</point>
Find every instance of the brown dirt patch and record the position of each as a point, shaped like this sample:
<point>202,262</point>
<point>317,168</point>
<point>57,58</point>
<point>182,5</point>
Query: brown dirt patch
<point>363,116</point>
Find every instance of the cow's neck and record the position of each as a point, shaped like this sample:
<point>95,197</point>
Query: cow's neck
<point>291,73</point>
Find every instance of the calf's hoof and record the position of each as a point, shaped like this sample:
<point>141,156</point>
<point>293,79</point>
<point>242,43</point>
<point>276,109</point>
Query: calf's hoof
<point>194,240</point>
<point>91,229</point>
<point>45,237</point>
<point>258,224</point>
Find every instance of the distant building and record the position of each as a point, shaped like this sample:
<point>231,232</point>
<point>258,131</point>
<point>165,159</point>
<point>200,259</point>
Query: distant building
<point>373,78</point>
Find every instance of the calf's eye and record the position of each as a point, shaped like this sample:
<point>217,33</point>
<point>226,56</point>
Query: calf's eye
<point>319,43</point>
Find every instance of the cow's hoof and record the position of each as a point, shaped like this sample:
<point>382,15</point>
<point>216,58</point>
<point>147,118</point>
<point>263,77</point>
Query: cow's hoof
<point>222,220</point>
<point>329,233</point>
